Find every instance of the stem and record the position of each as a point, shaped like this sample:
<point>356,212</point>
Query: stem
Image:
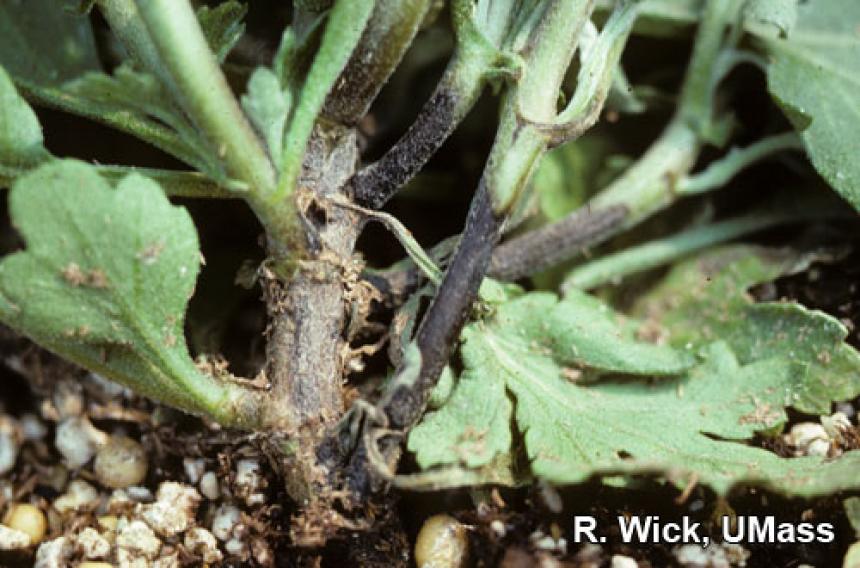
<point>723,170</point>
<point>648,186</point>
<point>453,98</point>
<point>697,97</point>
<point>149,131</point>
<point>614,267</point>
<point>179,184</point>
<point>555,243</point>
<point>404,403</point>
<point>389,33</point>
<point>203,91</point>
<point>343,31</point>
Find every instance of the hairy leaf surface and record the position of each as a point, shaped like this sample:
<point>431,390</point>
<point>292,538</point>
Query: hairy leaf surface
<point>694,423</point>
<point>105,280</point>
<point>814,75</point>
<point>705,299</point>
<point>21,142</point>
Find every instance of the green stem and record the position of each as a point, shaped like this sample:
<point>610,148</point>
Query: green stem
<point>697,97</point>
<point>614,267</point>
<point>149,131</point>
<point>346,23</point>
<point>650,184</point>
<point>179,184</point>
<point>723,170</point>
<point>203,91</point>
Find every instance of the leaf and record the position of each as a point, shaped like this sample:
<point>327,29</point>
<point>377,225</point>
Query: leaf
<point>814,75</point>
<point>694,424</point>
<point>473,426</point>
<point>21,143</point>
<point>43,42</point>
<point>268,106</point>
<point>141,94</point>
<point>762,16</point>
<point>705,299</point>
<point>345,25</point>
<point>105,279</point>
<point>222,26</point>
<point>852,511</point>
<point>662,18</point>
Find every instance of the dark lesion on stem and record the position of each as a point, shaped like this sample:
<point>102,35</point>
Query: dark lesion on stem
<point>552,244</point>
<point>404,403</point>
<point>374,185</point>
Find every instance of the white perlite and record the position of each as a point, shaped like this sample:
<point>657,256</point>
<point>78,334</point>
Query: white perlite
<point>91,545</point>
<point>249,482</point>
<point>225,519</point>
<point>11,539</point>
<point>78,440</point>
<point>135,539</point>
<point>619,561</point>
<point>174,509</point>
<point>53,554</point>
<point>79,495</point>
<point>202,543</point>
<point>209,486</point>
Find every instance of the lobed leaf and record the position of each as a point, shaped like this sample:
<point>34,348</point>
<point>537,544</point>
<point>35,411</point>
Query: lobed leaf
<point>696,421</point>
<point>705,299</point>
<point>105,279</point>
<point>222,26</point>
<point>473,426</point>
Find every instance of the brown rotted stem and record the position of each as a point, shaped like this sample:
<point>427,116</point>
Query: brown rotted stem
<point>436,337</point>
<point>550,245</point>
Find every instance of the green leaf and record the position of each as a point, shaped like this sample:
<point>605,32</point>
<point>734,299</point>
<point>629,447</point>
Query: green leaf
<point>568,175</point>
<point>852,511</point>
<point>21,143</point>
<point>695,424</point>
<point>142,95</point>
<point>105,279</point>
<point>268,106</point>
<point>346,22</point>
<point>705,299</point>
<point>222,26</point>
<point>814,75</point>
<point>44,43</point>
<point>766,16</point>
<point>662,18</point>
<point>473,426</point>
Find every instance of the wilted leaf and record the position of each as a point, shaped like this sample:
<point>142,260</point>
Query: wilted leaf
<point>105,279</point>
<point>43,42</point>
<point>222,26</point>
<point>20,132</point>
<point>705,299</point>
<point>814,75</point>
